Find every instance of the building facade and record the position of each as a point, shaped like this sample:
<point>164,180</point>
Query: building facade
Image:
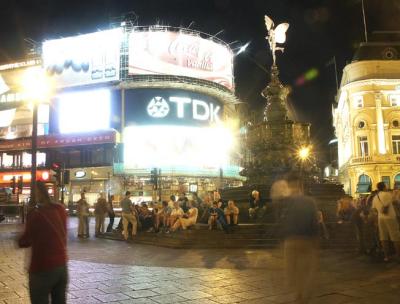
<point>127,102</point>
<point>367,117</point>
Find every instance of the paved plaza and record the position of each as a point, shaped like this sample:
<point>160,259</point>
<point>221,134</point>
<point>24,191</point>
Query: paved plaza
<point>107,271</point>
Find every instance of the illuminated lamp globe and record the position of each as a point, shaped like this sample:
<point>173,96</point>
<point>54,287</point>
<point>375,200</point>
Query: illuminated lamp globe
<point>304,153</point>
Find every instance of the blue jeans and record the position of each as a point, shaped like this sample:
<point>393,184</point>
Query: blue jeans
<point>51,283</point>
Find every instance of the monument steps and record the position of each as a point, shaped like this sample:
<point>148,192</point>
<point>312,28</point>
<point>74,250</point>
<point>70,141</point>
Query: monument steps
<point>342,237</point>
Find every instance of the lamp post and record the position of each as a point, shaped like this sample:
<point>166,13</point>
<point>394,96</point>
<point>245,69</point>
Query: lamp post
<point>303,154</point>
<point>36,90</point>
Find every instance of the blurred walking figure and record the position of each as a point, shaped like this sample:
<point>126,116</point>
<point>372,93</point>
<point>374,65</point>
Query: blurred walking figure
<point>387,221</point>
<point>111,213</point>
<point>300,225</point>
<point>46,233</point>
<point>100,210</point>
<point>129,215</point>
<point>83,216</point>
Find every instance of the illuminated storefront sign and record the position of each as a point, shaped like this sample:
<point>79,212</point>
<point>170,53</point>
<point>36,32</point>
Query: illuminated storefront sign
<point>6,177</point>
<point>80,174</point>
<point>183,54</point>
<point>83,59</point>
<point>171,107</point>
<point>55,141</point>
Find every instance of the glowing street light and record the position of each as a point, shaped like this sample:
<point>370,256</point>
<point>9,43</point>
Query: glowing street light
<point>304,153</point>
<point>36,88</point>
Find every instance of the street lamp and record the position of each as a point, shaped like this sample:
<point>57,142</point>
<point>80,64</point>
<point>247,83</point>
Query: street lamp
<point>36,88</point>
<point>303,154</point>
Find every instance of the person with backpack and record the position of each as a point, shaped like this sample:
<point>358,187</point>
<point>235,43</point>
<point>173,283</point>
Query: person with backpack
<point>387,221</point>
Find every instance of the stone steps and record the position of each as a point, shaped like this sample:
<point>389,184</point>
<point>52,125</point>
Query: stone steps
<point>342,237</point>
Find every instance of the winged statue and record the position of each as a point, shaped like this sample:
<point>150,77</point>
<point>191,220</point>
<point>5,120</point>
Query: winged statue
<point>275,35</point>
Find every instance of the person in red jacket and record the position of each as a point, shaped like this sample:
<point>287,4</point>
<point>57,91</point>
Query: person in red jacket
<point>46,233</point>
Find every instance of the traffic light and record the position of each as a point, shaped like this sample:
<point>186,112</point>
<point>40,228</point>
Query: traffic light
<point>13,184</point>
<point>66,177</point>
<point>20,184</point>
<point>154,177</point>
<point>56,167</point>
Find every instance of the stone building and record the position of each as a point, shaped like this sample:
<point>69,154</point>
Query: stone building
<point>367,116</point>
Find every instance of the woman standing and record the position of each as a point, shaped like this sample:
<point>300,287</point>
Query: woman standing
<point>46,233</point>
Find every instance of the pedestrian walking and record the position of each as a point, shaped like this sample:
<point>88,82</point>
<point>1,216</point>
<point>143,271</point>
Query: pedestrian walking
<point>46,233</point>
<point>129,215</point>
<point>83,216</point>
<point>299,219</point>
<point>100,211</point>
<point>111,213</point>
<point>387,221</point>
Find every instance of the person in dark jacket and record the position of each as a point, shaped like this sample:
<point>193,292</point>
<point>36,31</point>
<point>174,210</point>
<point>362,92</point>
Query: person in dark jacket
<point>111,213</point>
<point>300,229</point>
<point>46,233</point>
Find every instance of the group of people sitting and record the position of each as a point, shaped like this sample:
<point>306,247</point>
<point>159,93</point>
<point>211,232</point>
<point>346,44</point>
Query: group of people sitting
<point>167,217</point>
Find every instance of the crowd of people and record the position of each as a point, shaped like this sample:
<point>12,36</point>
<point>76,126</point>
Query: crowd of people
<point>166,217</point>
<point>376,217</point>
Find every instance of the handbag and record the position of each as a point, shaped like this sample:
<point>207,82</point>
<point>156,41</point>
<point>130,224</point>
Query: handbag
<point>385,209</point>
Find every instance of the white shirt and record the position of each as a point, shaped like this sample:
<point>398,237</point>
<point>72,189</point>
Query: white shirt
<point>177,212</point>
<point>384,198</point>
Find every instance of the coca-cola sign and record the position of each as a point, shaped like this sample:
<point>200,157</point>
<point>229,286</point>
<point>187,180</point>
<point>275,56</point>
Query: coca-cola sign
<point>175,53</point>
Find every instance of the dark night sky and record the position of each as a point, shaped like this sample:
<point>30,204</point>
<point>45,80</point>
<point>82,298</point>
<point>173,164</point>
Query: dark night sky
<point>319,29</point>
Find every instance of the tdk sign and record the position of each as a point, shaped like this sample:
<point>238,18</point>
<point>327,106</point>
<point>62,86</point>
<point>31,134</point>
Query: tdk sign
<point>159,107</point>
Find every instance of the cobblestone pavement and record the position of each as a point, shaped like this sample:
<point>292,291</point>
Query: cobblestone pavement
<point>105,271</point>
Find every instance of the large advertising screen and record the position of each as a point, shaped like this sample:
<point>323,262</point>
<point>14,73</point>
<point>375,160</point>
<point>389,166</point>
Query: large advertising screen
<point>11,80</point>
<point>174,148</point>
<point>171,107</point>
<point>83,111</point>
<point>84,59</point>
<point>183,54</point>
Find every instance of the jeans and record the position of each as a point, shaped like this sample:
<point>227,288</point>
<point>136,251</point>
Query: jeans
<point>111,223</point>
<point>52,282</point>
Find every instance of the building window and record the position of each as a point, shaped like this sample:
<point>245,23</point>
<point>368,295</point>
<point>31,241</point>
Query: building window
<point>396,144</point>
<point>363,145</point>
<point>394,100</point>
<point>395,123</point>
<point>386,180</point>
<point>397,181</point>
<point>358,101</point>
<point>364,184</point>
<point>361,124</point>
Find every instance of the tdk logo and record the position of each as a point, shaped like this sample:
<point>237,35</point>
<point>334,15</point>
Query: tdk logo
<point>158,107</point>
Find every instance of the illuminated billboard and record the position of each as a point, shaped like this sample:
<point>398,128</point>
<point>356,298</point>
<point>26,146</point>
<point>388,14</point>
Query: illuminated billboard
<point>183,54</point>
<point>11,80</point>
<point>83,111</point>
<point>84,59</point>
<point>171,107</point>
<point>172,148</point>
<point>17,122</point>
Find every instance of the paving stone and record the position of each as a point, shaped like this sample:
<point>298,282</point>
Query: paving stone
<point>227,299</point>
<point>141,293</point>
<point>194,295</point>
<point>168,299</point>
<point>111,297</point>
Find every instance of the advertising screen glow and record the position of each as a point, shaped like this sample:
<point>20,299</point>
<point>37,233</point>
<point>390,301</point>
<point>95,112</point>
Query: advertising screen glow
<point>84,59</point>
<point>175,53</point>
<point>84,111</point>
<point>176,146</point>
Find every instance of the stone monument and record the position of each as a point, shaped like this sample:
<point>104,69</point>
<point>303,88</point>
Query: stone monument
<point>274,143</point>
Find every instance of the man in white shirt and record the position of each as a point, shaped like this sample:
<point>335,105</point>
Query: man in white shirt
<point>387,222</point>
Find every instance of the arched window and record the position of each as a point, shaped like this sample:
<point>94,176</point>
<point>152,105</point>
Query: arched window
<point>397,181</point>
<point>364,184</point>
